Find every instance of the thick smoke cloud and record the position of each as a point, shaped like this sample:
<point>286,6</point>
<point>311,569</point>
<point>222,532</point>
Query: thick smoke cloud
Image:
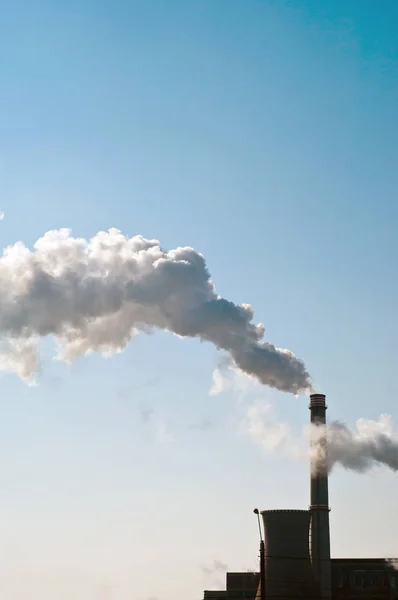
<point>96,295</point>
<point>371,443</point>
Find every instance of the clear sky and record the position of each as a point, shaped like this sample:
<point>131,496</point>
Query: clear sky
<point>264,134</point>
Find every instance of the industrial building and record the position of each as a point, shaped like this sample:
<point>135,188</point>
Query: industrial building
<point>295,559</point>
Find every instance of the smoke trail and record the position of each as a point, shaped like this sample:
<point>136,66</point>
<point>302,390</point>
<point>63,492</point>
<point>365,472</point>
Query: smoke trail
<point>217,566</point>
<point>95,295</point>
<point>371,443</point>
<point>265,430</point>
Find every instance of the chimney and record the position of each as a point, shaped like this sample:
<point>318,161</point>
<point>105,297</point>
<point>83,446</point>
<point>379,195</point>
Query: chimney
<point>320,534</point>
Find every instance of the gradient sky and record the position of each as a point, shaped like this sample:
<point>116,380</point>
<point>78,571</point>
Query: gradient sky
<point>264,134</point>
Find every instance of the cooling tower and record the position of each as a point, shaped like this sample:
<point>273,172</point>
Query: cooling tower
<point>320,535</point>
<point>288,570</point>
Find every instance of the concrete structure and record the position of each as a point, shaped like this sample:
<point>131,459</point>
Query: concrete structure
<point>238,585</point>
<point>352,579</point>
<point>297,562</point>
<point>288,569</point>
<point>319,508</point>
<point>364,578</point>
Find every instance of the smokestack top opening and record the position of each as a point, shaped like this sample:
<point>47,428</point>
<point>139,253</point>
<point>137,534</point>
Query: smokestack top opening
<point>318,400</point>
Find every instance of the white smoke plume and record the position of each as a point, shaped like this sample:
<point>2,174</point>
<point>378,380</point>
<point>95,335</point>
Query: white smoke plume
<point>216,567</point>
<point>20,356</point>
<point>96,295</point>
<point>227,377</point>
<point>213,571</point>
<point>264,429</point>
<point>371,443</point>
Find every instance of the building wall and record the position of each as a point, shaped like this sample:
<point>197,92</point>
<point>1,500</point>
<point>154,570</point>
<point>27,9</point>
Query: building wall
<point>355,579</point>
<point>238,585</point>
<point>215,595</point>
<point>352,579</point>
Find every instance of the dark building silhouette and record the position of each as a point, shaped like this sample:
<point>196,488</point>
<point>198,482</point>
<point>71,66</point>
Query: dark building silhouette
<point>297,561</point>
<point>351,579</point>
<point>238,585</point>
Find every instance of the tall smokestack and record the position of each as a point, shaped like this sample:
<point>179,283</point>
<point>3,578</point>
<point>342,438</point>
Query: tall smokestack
<point>320,534</point>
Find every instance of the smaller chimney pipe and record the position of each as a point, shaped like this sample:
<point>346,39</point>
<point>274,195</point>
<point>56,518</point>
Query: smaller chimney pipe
<point>261,587</point>
<point>262,570</point>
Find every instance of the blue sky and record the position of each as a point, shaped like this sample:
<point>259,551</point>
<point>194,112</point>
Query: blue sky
<point>263,134</point>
